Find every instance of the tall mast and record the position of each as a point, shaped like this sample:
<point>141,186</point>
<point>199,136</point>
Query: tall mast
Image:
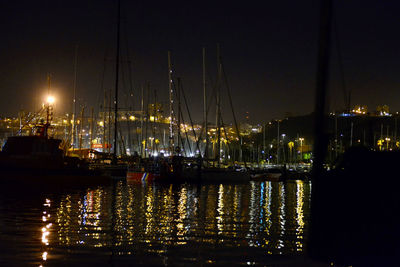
<point>179,113</point>
<point>73,137</point>
<point>141,123</point>
<point>278,144</point>
<point>109,120</point>
<point>171,109</point>
<point>104,122</point>
<point>91,127</point>
<point>218,107</point>
<point>116,86</point>
<point>205,103</point>
<point>147,121</point>
<point>155,112</point>
<point>81,128</point>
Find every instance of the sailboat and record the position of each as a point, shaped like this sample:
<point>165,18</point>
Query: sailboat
<point>177,168</point>
<point>160,168</point>
<point>216,173</point>
<point>116,169</point>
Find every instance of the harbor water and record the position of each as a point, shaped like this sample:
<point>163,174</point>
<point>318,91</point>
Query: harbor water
<point>254,223</point>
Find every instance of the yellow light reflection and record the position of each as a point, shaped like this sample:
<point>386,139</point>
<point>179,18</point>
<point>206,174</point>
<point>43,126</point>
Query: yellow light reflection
<point>258,214</point>
<point>236,210</point>
<point>253,218</point>
<point>282,216</point>
<point>267,209</point>
<point>45,229</point>
<point>47,204</point>
<point>181,229</point>
<point>44,256</point>
<point>220,209</point>
<point>300,214</point>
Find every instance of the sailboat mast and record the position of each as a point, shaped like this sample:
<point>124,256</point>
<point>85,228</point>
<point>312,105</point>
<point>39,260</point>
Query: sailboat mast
<point>179,113</point>
<point>91,127</point>
<point>171,110</point>
<point>141,122</point>
<point>73,137</point>
<point>116,85</point>
<point>104,121</point>
<point>205,103</point>
<point>155,112</point>
<point>81,128</point>
<point>109,120</point>
<point>218,107</point>
<point>146,144</point>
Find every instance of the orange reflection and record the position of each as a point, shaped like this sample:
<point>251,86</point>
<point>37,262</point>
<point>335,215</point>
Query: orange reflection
<point>45,230</point>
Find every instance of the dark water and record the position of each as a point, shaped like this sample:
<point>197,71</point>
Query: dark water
<point>257,223</point>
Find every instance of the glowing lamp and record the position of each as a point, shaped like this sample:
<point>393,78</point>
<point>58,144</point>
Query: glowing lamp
<point>51,100</point>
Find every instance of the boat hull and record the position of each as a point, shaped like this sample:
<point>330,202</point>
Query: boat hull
<point>52,179</point>
<point>274,177</point>
<point>141,177</point>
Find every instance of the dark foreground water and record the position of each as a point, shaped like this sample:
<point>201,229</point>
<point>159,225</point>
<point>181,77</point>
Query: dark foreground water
<point>257,223</point>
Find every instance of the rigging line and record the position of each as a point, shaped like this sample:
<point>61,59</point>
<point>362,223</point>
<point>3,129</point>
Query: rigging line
<point>226,136</point>
<point>147,101</point>
<point>224,128</point>
<point>102,76</point>
<point>186,134</point>
<point>231,104</point>
<point>153,123</point>
<point>180,115</point>
<point>109,121</point>
<point>140,137</point>
<point>126,99</point>
<point>74,100</point>
<point>346,91</point>
<point>102,89</point>
<point>190,118</point>
<point>122,145</point>
<point>156,119</point>
<point>116,83</point>
<point>191,123</point>
<point>178,96</point>
<point>122,88</point>
<point>128,125</point>
<point>124,78</point>
<point>129,63</point>
<point>187,140</point>
<point>124,81</point>
<point>34,116</point>
<point>213,94</point>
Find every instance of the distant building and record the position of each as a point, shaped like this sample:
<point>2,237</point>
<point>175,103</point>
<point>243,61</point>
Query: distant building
<point>360,110</point>
<point>383,110</point>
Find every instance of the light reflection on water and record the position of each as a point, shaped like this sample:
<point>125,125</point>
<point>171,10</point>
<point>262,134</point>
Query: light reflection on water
<point>163,224</point>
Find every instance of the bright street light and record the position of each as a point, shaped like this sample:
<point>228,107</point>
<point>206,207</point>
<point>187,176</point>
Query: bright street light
<point>51,100</point>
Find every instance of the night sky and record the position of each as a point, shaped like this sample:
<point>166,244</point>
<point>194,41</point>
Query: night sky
<point>269,52</point>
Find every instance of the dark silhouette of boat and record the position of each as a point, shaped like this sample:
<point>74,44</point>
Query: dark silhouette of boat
<point>40,156</point>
